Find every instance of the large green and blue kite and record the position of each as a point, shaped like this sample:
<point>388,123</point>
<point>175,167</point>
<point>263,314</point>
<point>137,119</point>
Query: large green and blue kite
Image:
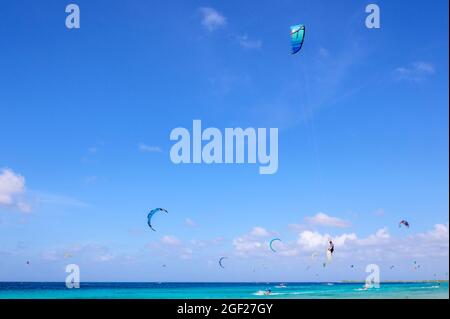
<point>297,37</point>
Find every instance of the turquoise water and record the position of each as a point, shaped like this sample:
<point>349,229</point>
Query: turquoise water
<point>223,290</point>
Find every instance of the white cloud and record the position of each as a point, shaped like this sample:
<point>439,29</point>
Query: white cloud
<point>309,240</point>
<point>416,72</point>
<point>170,240</point>
<point>255,242</point>
<point>439,232</point>
<point>249,44</point>
<point>12,186</point>
<point>149,149</point>
<point>245,245</point>
<point>259,232</point>
<point>342,240</point>
<point>380,237</point>
<point>212,19</point>
<point>434,243</point>
<point>189,222</point>
<point>321,219</point>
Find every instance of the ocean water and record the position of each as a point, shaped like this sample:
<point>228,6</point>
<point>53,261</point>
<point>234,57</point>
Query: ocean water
<point>36,290</point>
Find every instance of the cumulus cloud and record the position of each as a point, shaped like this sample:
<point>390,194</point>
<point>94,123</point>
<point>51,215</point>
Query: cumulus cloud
<point>380,237</point>
<point>244,245</point>
<point>255,242</point>
<point>433,243</point>
<point>212,19</point>
<point>12,186</point>
<point>321,219</point>
<point>312,240</point>
<point>439,232</point>
<point>416,72</point>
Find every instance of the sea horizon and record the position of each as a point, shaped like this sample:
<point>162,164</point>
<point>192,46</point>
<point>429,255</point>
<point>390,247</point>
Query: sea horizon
<point>225,290</point>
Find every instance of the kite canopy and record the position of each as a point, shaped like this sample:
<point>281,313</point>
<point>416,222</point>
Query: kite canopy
<point>153,212</point>
<point>403,222</point>
<point>297,37</point>
<point>220,261</point>
<point>271,242</point>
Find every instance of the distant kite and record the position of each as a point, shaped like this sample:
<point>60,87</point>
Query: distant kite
<point>297,37</point>
<point>153,212</point>
<point>271,242</point>
<point>220,261</point>
<point>404,222</point>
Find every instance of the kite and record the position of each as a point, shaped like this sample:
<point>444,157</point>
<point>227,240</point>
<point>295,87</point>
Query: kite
<point>271,242</point>
<point>297,36</point>
<point>220,261</point>
<point>404,222</point>
<point>153,212</point>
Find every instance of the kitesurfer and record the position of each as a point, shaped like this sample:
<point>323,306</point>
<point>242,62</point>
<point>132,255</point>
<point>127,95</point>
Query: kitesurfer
<point>331,247</point>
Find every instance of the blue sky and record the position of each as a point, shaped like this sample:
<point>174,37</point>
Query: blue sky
<point>86,116</point>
